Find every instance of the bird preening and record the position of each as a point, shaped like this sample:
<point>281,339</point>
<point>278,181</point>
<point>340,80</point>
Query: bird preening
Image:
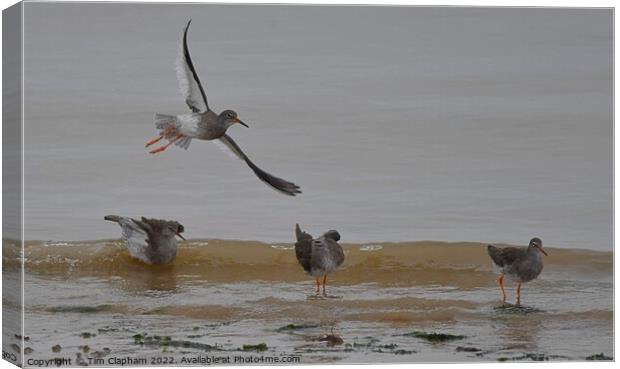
<point>151,241</point>
<point>521,264</point>
<point>319,257</point>
<point>203,123</point>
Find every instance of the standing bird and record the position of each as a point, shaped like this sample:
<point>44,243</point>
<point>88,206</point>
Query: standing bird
<point>149,240</point>
<point>520,263</point>
<point>203,123</point>
<point>319,257</point>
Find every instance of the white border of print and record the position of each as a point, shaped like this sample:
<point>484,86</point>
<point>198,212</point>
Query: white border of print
<point>507,3</point>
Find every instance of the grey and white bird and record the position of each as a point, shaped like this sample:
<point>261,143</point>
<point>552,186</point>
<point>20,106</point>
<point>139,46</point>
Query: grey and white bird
<point>521,264</point>
<point>319,257</point>
<point>149,240</point>
<point>203,123</point>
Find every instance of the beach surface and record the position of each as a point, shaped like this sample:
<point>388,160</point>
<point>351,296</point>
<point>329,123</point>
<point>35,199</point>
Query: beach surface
<point>405,302</point>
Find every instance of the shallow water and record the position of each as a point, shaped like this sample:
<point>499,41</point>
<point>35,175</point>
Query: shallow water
<point>220,295</point>
<point>408,123</point>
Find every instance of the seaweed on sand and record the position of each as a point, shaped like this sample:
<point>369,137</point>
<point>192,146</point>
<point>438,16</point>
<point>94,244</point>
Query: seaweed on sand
<point>600,356</point>
<point>138,338</point>
<point>434,337</point>
<point>533,356</point>
<point>403,352</point>
<point>391,346</point>
<point>294,327</point>
<point>79,309</point>
<point>393,349</point>
<point>507,308</point>
<point>259,347</point>
<point>167,341</point>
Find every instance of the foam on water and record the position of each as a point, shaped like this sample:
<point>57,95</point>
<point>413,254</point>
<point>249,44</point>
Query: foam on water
<point>371,247</point>
<point>461,263</point>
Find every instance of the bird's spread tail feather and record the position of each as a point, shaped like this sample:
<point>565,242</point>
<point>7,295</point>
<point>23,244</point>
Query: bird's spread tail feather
<point>184,142</point>
<point>298,232</point>
<point>166,124</point>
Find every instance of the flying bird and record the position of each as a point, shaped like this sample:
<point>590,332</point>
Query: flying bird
<point>522,264</point>
<point>319,257</point>
<point>203,123</point>
<point>151,241</point>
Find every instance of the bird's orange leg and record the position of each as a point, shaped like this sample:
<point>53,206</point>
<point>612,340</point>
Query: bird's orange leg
<point>154,141</point>
<point>160,149</point>
<point>519,294</point>
<point>318,286</point>
<point>165,133</point>
<point>501,286</point>
<point>324,283</point>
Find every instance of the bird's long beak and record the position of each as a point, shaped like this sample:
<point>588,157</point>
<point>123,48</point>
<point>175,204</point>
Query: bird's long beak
<point>183,238</point>
<point>241,122</point>
<point>541,250</point>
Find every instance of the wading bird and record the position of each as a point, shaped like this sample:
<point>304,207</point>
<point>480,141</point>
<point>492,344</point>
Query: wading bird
<point>149,240</point>
<point>203,123</point>
<point>319,257</point>
<point>522,264</point>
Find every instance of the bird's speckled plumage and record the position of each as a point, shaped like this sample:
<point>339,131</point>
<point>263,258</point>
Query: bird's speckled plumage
<point>205,124</point>
<point>152,241</point>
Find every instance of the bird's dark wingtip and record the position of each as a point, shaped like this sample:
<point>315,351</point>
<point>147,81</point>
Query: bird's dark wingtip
<point>293,193</point>
<point>280,185</point>
<point>295,190</point>
<point>187,27</point>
